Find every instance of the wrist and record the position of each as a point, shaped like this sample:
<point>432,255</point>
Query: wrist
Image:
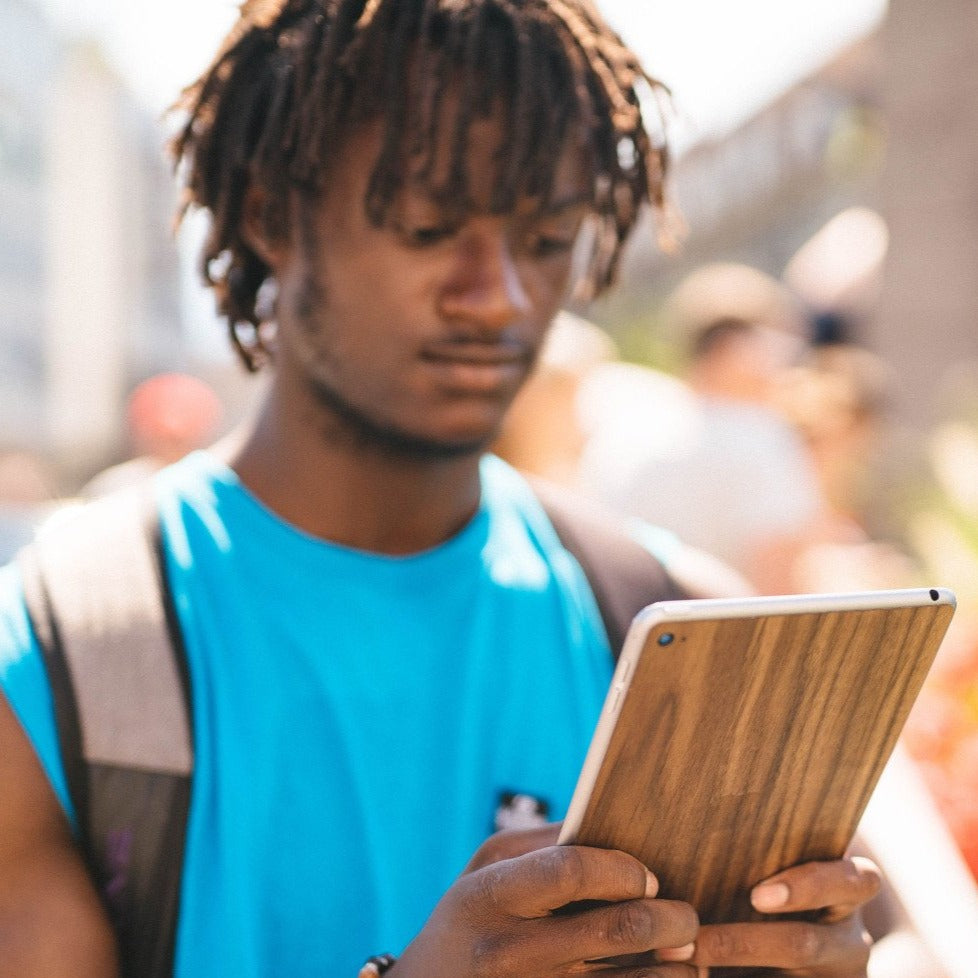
<point>377,965</point>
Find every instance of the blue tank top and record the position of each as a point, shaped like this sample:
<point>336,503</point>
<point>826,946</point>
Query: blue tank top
<point>357,717</point>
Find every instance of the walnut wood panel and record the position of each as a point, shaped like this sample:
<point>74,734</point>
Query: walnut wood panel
<point>746,746</point>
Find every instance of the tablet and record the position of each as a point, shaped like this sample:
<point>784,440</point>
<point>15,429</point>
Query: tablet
<point>741,737</point>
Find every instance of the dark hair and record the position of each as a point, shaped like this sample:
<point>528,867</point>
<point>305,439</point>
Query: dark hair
<point>293,78</point>
<point>712,335</point>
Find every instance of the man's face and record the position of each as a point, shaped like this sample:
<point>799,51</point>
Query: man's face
<point>416,336</point>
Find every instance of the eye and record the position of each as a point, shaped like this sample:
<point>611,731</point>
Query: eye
<point>547,246</point>
<point>425,236</point>
<point>552,236</point>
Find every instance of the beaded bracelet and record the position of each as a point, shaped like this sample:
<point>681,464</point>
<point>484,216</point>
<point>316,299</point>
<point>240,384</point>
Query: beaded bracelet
<point>377,965</point>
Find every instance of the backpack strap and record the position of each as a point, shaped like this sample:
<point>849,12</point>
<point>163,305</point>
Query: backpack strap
<point>97,600</point>
<point>624,575</point>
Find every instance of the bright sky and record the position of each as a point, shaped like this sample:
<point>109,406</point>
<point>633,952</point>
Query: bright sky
<point>722,58</point>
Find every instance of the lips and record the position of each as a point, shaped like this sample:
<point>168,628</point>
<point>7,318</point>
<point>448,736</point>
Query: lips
<point>477,366</point>
<point>495,352</point>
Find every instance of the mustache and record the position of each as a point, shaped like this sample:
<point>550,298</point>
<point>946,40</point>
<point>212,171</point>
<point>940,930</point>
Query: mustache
<point>500,351</point>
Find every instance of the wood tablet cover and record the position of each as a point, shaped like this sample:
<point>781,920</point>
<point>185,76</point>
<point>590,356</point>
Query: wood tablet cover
<point>745,745</point>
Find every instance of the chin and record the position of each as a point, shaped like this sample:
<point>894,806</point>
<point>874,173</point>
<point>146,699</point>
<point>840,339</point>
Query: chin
<point>444,432</point>
<point>462,437</point>
<point>414,444</point>
<point>434,442</point>
<point>412,447</point>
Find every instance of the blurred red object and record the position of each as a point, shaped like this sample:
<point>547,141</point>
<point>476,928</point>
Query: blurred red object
<point>936,725</point>
<point>171,413</point>
<point>942,737</point>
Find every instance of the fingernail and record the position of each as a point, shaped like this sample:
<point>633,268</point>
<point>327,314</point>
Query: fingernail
<point>683,953</point>
<point>651,884</point>
<point>770,896</point>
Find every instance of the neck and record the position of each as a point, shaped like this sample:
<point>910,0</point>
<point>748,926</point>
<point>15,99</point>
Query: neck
<point>353,494</point>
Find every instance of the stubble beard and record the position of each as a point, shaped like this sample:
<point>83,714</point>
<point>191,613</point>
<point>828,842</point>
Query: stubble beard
<point>352,426</point>
<point>357,429</point>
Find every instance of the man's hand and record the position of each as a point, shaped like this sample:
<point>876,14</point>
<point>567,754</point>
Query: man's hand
<point>835,947</point>
<point>513,842</point>
<point>500,920</point>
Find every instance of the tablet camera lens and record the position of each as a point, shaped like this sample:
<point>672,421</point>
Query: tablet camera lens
<point>666,638</point>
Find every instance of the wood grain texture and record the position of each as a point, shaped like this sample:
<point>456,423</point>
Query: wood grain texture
<point>763,741</point>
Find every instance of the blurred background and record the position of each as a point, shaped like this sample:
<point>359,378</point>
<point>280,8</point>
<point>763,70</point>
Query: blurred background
<point>826,160</point>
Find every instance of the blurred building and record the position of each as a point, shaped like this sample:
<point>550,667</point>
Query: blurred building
<point>29,58</point>
<point>929,320</point>
<point>885,125</point>
<point>89,276</point>
<point>760,192</point>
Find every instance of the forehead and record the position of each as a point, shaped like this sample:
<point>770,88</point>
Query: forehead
<point>467,164</point>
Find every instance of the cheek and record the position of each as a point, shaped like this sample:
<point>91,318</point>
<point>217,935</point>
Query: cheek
<point>304,324</point>
<point>308,304</point>
<point>354,325</point>
<point>548,283</point>
<point>381,282</point>
<point>320,304</point>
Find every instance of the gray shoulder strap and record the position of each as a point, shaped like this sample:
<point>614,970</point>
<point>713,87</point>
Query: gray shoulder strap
<point>98,578</point>
<point>624,576</point>
<point>95,590</point>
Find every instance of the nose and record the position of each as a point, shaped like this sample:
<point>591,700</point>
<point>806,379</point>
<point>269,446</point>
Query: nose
<point>486,288</point>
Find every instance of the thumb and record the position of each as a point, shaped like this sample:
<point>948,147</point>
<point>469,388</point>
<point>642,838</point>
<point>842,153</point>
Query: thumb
<point>511,843</point>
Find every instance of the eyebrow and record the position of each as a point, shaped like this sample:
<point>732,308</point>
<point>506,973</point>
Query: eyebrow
<point>568,203</point>
<point>554,208</point>
<point>557,207</point>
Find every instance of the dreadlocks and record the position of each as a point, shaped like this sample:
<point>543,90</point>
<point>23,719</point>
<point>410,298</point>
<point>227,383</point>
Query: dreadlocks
<point>294,76</point>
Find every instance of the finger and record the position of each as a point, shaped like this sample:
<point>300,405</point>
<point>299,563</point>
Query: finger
<point>840,886</point>
<point>511,843</point>
<point>540,882</point>
<point>619,929</point>
<point>642,963</point>
<point>647,959</point>
<point>650,970</point>
<point>543,947</point>
<point>790,945</point>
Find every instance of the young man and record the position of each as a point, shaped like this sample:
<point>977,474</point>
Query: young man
<point>384,635</point>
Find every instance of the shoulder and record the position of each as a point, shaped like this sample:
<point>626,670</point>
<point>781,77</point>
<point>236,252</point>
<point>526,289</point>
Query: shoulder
<point>753,431</point>
<point>15,632</point>
<point>24,684</point>
<point>625,546</point>
<point>129,473</point>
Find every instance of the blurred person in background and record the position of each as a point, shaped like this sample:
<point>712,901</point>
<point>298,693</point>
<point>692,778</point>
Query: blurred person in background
<point>382,629</point>
<point>168,416</point>
<point>836,398</point>
<point>543,433</point>
<point>729,474</point>
<point>579,394</point>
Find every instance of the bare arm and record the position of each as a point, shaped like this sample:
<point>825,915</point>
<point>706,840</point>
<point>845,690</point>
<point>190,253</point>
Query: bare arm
<point>52,924</point>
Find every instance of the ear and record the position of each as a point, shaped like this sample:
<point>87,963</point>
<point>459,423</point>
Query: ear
<point>263,233</point>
